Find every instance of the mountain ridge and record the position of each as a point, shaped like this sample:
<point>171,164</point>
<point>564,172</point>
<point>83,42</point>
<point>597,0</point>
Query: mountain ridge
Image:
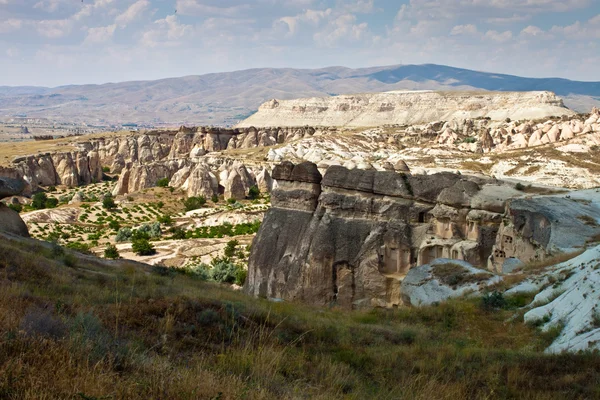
<point>228,97</point>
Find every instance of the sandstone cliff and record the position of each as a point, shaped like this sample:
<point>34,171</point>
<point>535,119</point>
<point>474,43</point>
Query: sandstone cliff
<point>404,108</point>
<point>350,237</point>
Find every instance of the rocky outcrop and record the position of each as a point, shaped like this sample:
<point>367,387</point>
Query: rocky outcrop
<point>405,108</point>
<point>535,228</point>
<point>350,237</point>
<point>10,221</point>
<point>442,280</point>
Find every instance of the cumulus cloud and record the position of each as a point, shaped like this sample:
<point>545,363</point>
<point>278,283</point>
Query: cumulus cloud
<point>133,12</point>
<point>200,8</point>
<point>100,34</point>
<point>167,31</point>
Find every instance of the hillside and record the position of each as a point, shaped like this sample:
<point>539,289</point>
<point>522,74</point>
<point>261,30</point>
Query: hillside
<point>74,326</point>
<point>227,98</point>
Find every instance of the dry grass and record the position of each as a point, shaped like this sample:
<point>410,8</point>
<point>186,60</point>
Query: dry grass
<point>551,261</point>
<point>122,330</point>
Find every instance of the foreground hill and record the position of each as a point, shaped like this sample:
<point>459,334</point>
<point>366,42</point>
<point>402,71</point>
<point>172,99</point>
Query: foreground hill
<point>227,98</point>
<point>73,326</point>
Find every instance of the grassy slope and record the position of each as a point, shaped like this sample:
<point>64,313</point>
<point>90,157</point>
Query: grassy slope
<point>77,327</point>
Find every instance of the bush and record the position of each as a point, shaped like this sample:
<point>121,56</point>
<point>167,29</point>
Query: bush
<point>142,247</point>
<point>469,140</point>
<point>253,192</point>
<point>79,247</point>
<point>114,225</point>
<point>148,231</point>
<point>164,182</point>
<point>230,248</point>
<point>214,198</point>
<point>111,252</point>
<point>109,202</point>
<point>16,207</point>
<point>240,277</point>
<point>38,202</point>
<point>178,233</point>
<point>225,271</point>
<point>124,235</point>
<point>493,301</point>
<point>106,170</point>
<point>519,186</point>
<point>165,219</point>
<point>231,201</point>
<point>194,203</point>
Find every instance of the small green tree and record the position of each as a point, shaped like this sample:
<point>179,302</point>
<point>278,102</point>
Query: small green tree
<point>111,252</point>
<point>254,192</point>
<point>164,182</point>
<point>114,225</point>
<point>214,198</point>
<point>194,203</point>
<point>230,248</point>
<point>109,202</point>
<point>38,202</point>
<point>142,247</point>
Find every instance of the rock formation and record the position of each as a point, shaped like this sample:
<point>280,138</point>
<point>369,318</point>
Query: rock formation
<point>10,221</point>
<point>406,107</point>
<point>351,236</point>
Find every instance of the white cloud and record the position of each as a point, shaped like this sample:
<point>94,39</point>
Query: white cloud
<point>53,28</point>
<point>500,37</point>
<point>10,25</point>
<point>167,32</point>
<point>343,28</point>
<point>312,17</point>
<point>469,29</point>
<point>132,13</point>
<point>100,34</point>
<point>198,8</point>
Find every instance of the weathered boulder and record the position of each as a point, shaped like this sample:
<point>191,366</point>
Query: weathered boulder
<point>11,222</point>
<point>443,279</point>
<point>11,187</point>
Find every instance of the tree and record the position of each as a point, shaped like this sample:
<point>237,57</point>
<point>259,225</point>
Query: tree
<point>38,202</point>
<point>109,202</point>
<point>114,225</point>
<point>111,252</point>
<point>142,247</point>
<point>194,203</point>
<point>164,182</point>
<point>254,192</point>
<point>230,248</point>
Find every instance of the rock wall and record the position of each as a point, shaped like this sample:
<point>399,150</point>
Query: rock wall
<point>10,221</point>
<point>350,237</point>
<point>405,108</point>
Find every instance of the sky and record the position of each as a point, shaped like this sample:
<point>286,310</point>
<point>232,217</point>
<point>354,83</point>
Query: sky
<point>59,42</point>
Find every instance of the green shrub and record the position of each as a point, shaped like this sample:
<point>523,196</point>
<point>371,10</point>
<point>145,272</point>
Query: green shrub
<point>106,170</point>
<point>519,186</point>
<point>114,225</point>
<point>214,198</point>
<point>16,207</point>
<point>109,202</point>
<point>231,201</point>
<point>230,248</point>
<point>124,235</point>
<point>111,252</point>
<point>225,271</point>
<point>253,192</point>
<point>142,247</point>
<point>164,182</point>
<point>165,219</point>
<point>79,247</point>
<point>493,301</point>
<point>38,202</point>
<point>194,203</point>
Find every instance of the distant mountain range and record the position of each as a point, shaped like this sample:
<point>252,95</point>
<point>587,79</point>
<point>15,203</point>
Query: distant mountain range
<point>226,98</point>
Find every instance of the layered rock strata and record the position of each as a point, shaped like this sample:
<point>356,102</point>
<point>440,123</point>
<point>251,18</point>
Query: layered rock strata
<point>406,107</point>
<point>349,237</point>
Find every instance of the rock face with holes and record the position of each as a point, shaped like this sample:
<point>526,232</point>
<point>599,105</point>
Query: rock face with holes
<point>350,237</point>
<point>536,228</point>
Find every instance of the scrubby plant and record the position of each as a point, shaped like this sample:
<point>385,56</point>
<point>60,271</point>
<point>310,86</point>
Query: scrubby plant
<point>109,202</point>
<point>194,203</point>
<point>165,219</point>
<point>163,182</point>
<point>79,247</point>
<point>493,301</point>
<point>231,201</point>
<point>230,248</point>
<point>124,235</point>
<point>214,198</point>
<point>114,225</point>
<point>16,207</point>
<point>225,271</point>
<point>142,247</point>
<point>111,252</point>
<point>253,192</point>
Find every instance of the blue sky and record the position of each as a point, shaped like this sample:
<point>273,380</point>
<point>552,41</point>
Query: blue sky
<point>57,42</point>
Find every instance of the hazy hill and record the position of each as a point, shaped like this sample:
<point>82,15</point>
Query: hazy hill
<point>226,98</point>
